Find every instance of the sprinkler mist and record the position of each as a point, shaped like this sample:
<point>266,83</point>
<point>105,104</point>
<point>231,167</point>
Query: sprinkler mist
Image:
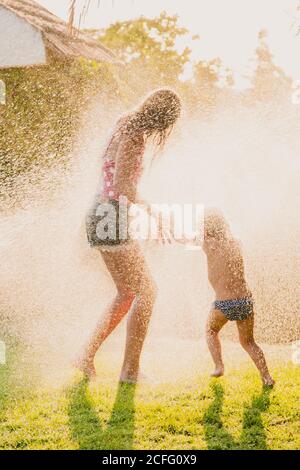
<point>54,288</point>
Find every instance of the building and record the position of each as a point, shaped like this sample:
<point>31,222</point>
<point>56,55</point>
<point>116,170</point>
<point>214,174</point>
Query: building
<point>31,35</point>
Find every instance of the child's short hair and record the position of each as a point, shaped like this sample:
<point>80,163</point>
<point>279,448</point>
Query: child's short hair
<point>215,224</point>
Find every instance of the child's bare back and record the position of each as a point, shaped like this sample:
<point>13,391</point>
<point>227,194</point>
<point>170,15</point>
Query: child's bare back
<point>225,268</point>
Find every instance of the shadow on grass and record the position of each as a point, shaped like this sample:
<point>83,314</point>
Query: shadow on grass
<point>253,435</point>
<point>86,426</point>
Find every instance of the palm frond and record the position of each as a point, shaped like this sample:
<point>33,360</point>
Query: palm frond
<point>71,17</point>
<point>82,14</point>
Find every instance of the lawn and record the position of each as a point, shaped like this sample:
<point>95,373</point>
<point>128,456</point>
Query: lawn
<point>230,413</point>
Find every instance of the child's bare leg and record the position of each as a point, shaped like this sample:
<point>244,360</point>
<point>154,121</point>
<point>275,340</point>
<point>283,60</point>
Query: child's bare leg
<point>215,323</point>
<point>247,341</point>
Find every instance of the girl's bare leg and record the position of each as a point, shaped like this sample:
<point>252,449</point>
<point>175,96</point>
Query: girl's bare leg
<point>135,289</point>
<point>115,313</point>
<point>247,341</point>
<point>137,328</point>
<point>215,323</point>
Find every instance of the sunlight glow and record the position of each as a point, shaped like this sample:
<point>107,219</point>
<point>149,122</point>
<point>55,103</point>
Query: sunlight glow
<point>227,29</point>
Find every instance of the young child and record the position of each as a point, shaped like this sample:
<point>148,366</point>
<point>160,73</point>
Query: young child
<point>234,300</point>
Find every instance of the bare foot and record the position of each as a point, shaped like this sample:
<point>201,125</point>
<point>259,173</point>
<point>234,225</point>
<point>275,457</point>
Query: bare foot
<point>268,382</point>
<point>87,368</point>
<point>218,372</point>
<point>128,381</point>
<point>135,379</point>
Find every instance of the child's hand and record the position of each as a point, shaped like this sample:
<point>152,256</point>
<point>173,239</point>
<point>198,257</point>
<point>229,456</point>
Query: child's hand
<point>161,228</point>
<point>165,236</point>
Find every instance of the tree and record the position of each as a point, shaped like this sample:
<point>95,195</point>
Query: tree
<point>269,81</point>
<point>148,47</point>
<point>209,85</point>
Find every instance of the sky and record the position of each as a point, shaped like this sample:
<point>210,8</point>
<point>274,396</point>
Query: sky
<point>227,28</point>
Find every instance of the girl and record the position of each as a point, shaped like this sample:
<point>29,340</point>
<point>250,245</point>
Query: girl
<point>122,168</point>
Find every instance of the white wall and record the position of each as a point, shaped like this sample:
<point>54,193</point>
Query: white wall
<point>20,43</point>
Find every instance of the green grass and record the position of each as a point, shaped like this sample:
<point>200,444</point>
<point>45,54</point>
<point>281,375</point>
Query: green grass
<point>230,413</point>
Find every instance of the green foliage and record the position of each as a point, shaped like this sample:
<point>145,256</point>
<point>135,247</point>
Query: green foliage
<point>148,47</point>
<point>43,109</point>
<point>37,122</point>
<point>269,81</point>
<point>207,87</point>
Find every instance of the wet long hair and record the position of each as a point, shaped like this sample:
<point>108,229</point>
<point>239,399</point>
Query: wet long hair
<point>156,116</point>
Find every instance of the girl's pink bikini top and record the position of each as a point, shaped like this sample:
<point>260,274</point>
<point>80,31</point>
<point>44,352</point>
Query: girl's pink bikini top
<point>108,190</point>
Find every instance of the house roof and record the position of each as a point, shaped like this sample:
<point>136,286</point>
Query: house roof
<point>56,33</point>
